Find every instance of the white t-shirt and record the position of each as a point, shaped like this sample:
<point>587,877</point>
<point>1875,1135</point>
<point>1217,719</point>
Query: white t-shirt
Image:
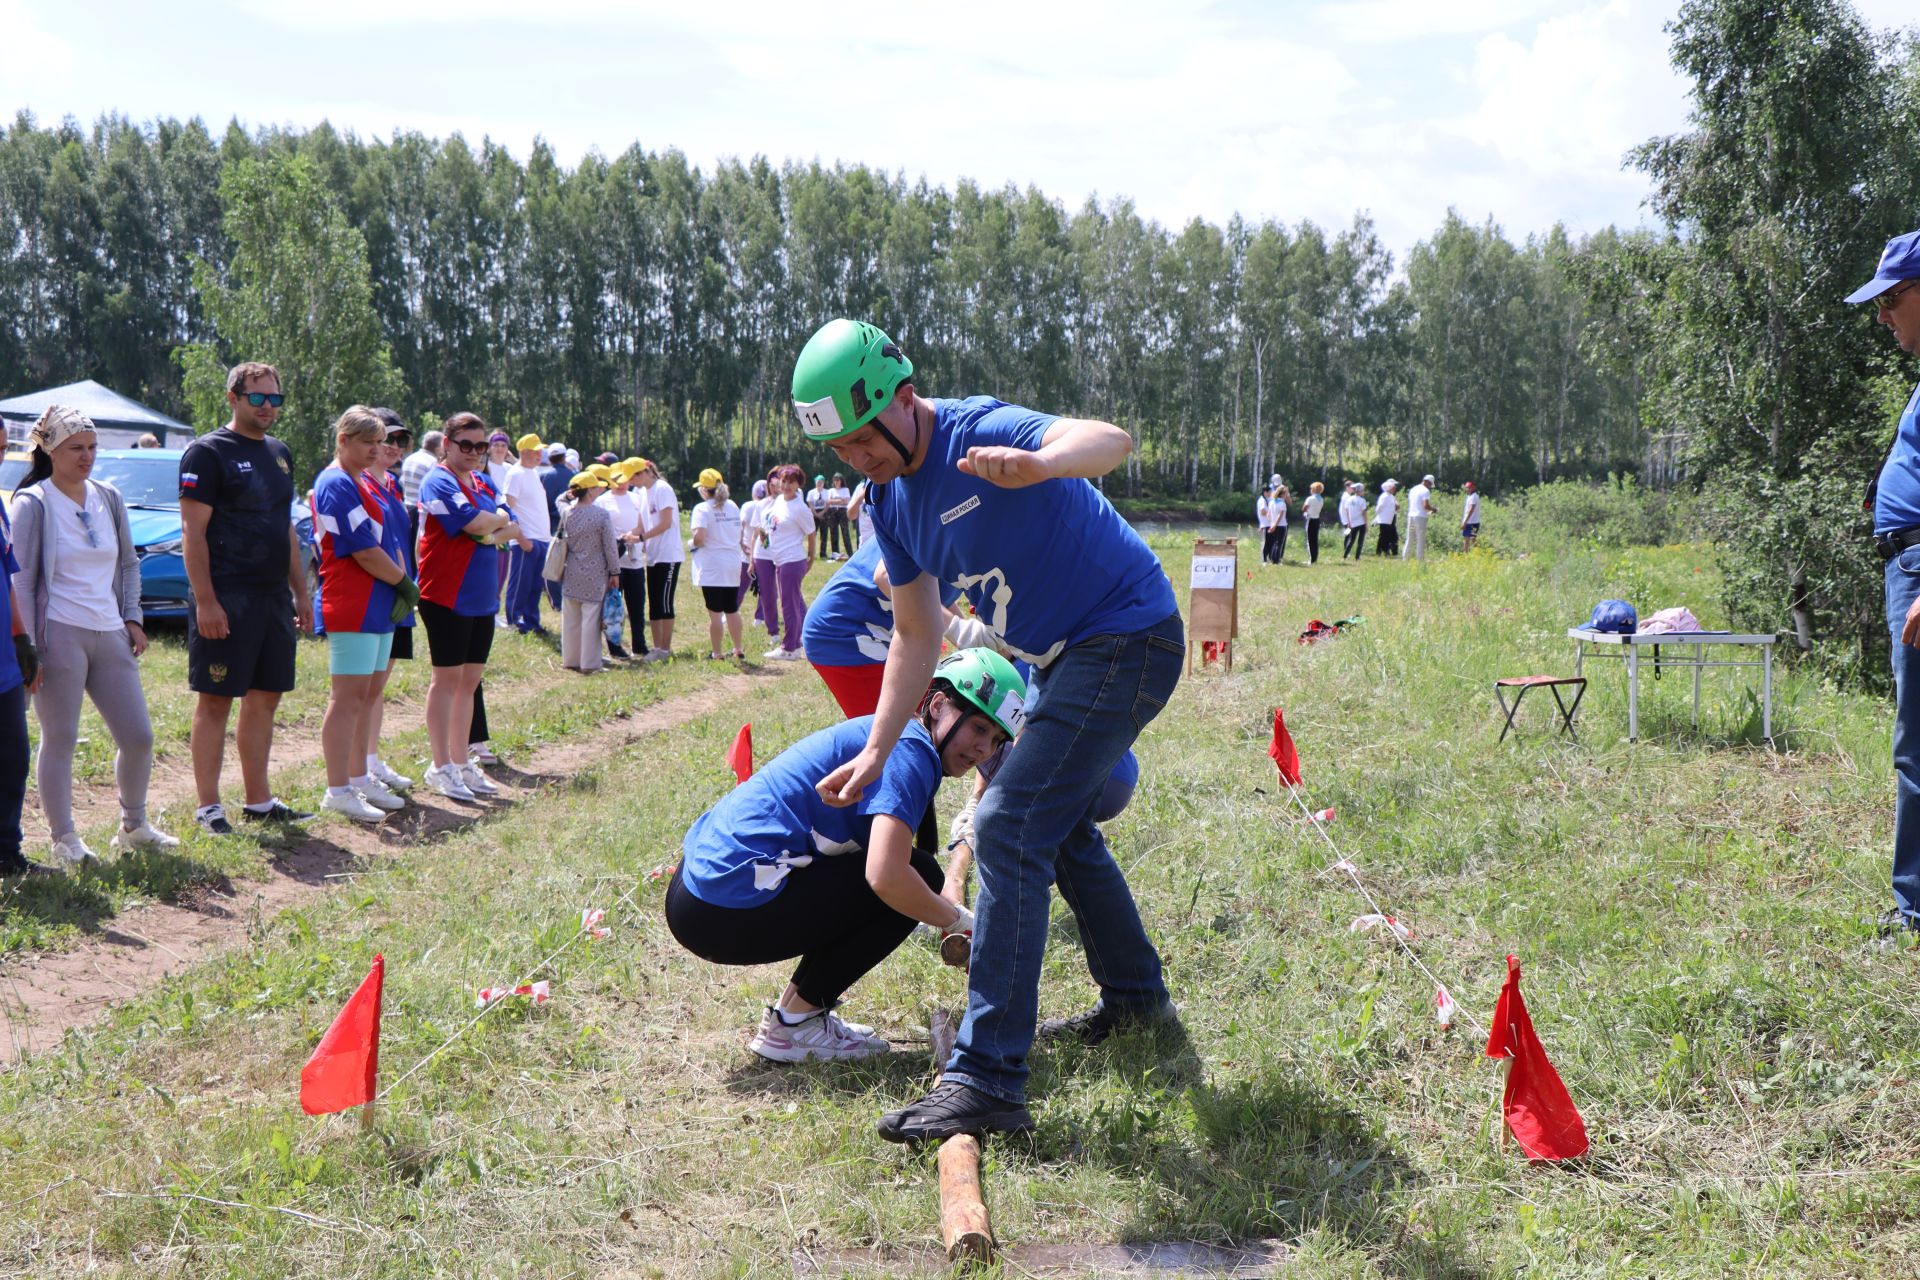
<point>817,499</point>
<point>497,473</point>
<point>866,511</point>
<point>1385,509</point>
<point>787,522</point>
<point>623,509</point>
<point>716,562</point>
<point>750,520</point>
<point>1263,512</point>
<point>1277,509</point>
<point>1417,502</point>
<point>1470,509</point>
<point>529,498</point>
<point>1310,509</point>
<point>85,568</point>
<point>666,548</point>
<point>839,496</point>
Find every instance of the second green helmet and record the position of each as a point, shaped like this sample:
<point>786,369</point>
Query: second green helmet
<point>845,376</point>
<point>990,684</point>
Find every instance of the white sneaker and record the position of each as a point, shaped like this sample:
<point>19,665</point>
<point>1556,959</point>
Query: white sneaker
<point>376,794</point>
<point>655,655</point>
<point>822,1036</point>
<point>782,655</point>
<point>477,782</point>
<point>352,806</point>
<point>72,850</point>
<point>388,777</point>
<point>144,836</point>
<point>445,779</point>
<point>481,753</point>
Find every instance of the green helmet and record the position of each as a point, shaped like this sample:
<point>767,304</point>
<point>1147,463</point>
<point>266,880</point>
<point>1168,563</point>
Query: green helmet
<point>989,684</point>
<point>846,374</point>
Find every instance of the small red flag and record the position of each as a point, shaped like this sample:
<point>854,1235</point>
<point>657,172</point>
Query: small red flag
<point>1539,1110</point>
<point>740,754</point>
<point>341,1072</point>
<point>1285,758</point>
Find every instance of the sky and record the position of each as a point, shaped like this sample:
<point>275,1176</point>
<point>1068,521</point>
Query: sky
<point>1518,110</point>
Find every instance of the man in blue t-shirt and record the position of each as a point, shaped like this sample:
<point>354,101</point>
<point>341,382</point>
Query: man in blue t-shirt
<point>995,500</point>
<point>1894,499</point>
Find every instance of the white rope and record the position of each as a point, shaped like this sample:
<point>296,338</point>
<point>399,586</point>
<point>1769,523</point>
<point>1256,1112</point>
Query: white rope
<point>1345,864</point>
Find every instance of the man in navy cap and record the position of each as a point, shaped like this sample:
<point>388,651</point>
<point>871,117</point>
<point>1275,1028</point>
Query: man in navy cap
<point>1894,499</point>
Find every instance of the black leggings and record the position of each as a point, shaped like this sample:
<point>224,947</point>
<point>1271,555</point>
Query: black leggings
<point>1356,541</point>
<point>477,730</point>
<point>1313,540</point>
<point>15,759</point>
<point>826,914</point>
<point>633,589</point>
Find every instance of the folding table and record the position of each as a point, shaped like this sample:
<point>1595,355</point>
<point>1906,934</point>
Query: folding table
<point>1690,653</point>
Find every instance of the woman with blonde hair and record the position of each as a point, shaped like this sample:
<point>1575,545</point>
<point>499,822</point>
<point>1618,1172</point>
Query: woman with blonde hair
<point>1310,512</point>
<point>716,561</point>
<point>78,589</point>
<point>364,592</point>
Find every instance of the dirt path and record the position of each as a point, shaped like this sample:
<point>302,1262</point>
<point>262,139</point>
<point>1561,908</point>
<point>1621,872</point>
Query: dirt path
<point>41,996</point>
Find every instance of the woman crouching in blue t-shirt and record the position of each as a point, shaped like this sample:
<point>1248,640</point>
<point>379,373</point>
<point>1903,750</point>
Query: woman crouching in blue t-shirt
<point>765,874</point>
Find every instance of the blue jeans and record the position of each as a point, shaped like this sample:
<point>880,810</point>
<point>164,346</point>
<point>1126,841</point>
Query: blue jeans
<point>524,569</point>
<point>1903,587</point>
<point>613,615</point>
<point>1033,830</point>
<point>15,757</point>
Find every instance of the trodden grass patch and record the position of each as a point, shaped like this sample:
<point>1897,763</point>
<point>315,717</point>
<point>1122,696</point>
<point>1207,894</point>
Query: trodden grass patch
<point>1689,910</point>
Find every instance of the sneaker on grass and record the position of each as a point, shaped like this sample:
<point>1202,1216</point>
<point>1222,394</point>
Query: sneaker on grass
<point>1092,1026</point>
<point>818,1035</point>
<point>952,1107</point>
<point>389,777</point>
<point>444,779</point>
<point>72,850</point>
<point>481,753</point>
<point>344,801</point>
<point>145,836</point>
<point>375,793</point>
<point>783,655</point>
<point>214,818</point>
<point>274,812</point>
<point>477,782</point>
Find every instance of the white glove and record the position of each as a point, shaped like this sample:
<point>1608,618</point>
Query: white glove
<point>963,824</point>
<point>963,924</point>
<point>969,633</point>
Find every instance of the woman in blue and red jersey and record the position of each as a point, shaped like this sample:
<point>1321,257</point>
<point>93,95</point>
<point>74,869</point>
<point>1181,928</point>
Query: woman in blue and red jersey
<point>363,588</point>
<point>462,525</point>
<point>385,475</point>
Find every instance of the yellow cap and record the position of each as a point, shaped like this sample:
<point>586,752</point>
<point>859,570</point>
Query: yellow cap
<point>528,441</point>
<point>710,479</point>
<point>640,464</point>
<point>586,480</point>
<point>602,470</point>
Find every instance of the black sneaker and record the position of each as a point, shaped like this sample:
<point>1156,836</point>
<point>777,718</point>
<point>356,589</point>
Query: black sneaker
<point>214,818</point>
<point>280,813</point>
<point>953,1107</point>
<point>20,865</point>
<point>618,653</point>
<point>1092,1026</point>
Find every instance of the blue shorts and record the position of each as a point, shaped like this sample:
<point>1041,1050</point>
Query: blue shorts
<point>1470,530</point>
<point>358,653</point>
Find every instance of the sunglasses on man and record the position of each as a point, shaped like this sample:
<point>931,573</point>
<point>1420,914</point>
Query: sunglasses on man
<point>258,398</point>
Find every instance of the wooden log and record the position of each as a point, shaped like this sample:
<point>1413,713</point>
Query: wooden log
<point>965,1231</point>
<point>956,949</point>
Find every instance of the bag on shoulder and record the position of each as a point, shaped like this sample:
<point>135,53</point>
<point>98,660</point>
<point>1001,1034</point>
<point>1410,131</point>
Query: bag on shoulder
<point>555,567</point>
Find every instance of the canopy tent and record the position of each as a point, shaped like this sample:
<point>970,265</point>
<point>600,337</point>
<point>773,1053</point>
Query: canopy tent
<point>119,421</point>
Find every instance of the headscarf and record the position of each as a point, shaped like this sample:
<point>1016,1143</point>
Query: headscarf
<point>56,426</point>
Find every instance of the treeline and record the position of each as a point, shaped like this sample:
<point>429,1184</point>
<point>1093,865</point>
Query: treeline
<point>642,304</point>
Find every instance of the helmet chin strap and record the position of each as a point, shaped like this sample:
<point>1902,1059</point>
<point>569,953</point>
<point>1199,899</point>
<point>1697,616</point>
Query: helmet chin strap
<point>906,457</point>
<point>926,719</point>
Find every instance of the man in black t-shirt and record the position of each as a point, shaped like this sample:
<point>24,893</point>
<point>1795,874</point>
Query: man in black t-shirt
<point>249,588</point>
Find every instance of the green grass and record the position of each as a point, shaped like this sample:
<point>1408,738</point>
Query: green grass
<point>1689,910</point>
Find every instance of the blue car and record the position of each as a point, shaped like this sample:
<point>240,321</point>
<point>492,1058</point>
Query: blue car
<point>149,481</point>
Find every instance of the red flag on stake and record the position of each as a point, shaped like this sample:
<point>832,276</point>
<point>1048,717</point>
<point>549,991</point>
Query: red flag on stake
<point>341,1072</point>
<point>1539,1110</point>
<point>1285,758</point>
<point>740,754</point>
